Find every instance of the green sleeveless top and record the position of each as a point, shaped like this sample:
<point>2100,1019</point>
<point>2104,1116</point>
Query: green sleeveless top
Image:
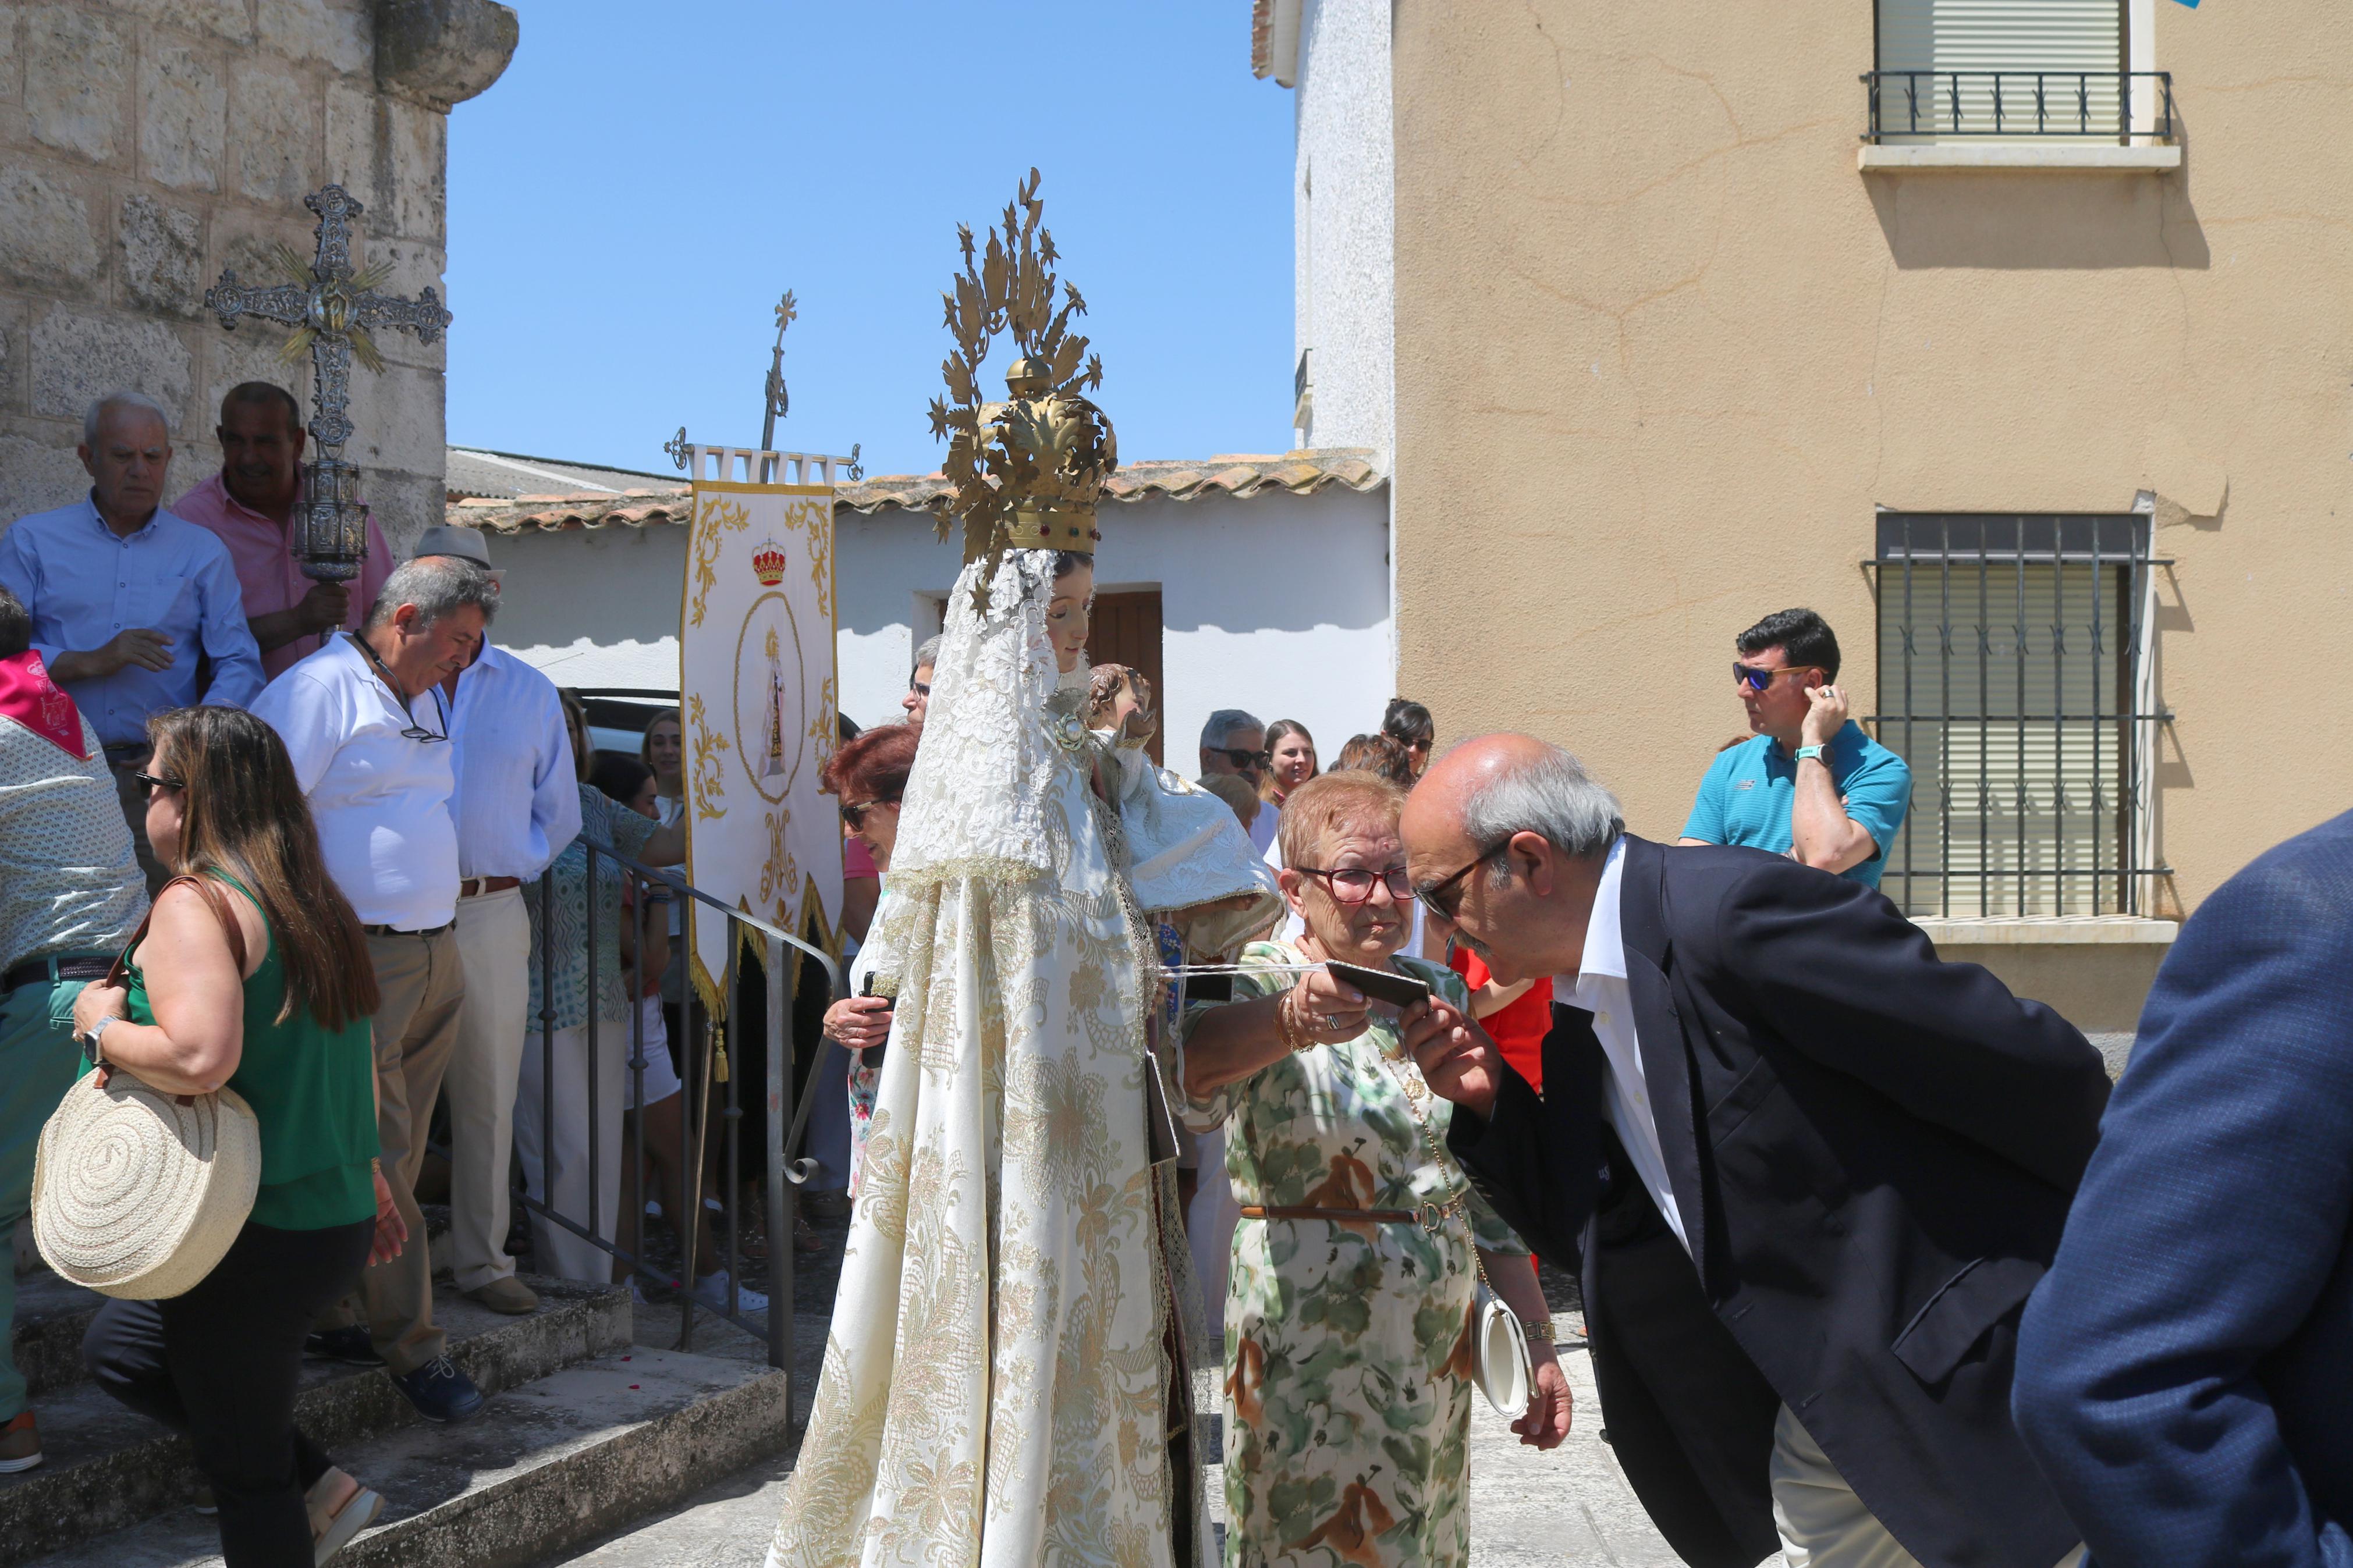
<point>313,1090</point>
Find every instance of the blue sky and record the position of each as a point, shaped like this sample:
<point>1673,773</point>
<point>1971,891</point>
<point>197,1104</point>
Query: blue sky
<point>628,200</point>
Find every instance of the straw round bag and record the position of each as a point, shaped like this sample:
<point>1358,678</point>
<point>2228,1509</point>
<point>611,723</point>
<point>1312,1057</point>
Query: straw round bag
<point>138,1194</point>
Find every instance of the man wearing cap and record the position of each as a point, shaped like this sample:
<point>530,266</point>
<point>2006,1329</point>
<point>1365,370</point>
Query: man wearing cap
<point>70,896</point>
<point>251,505</point>
<point>367,728</point>
<point>517,803</point>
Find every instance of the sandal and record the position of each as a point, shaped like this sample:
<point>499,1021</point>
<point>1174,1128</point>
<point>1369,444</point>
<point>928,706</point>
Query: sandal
<point>331,1533</point>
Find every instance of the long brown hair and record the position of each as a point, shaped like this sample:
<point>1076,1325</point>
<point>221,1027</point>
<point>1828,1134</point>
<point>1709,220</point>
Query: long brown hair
<point>1276,733</point>
<point>244,815</point>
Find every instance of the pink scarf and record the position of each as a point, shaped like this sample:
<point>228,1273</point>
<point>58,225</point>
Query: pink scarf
<point>28,696</point>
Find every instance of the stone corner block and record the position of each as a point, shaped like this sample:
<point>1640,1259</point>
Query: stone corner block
<point>78,356</point>
<point>442,52</point>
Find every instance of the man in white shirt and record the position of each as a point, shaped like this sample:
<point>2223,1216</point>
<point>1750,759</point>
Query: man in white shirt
<point>368,731</point>
<point>1812,1172</point>
<point>517,805</point>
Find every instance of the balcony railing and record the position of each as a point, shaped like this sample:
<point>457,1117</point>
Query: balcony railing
<point>2112,105</point>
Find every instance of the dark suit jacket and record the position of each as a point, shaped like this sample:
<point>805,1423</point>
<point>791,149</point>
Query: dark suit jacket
<point>1872,1153</point>
<point>2185,1372</point>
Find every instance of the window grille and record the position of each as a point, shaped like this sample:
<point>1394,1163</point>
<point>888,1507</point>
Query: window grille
<point>2011,678</point>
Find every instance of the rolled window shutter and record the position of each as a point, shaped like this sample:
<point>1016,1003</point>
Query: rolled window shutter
<point>2079,44</point>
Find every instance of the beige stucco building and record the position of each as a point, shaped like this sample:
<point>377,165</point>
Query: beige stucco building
<point>147,144</point>
<point>2055,425</point>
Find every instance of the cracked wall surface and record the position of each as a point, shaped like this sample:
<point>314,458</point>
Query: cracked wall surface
<point>146,145</point>
<point>1662,352</point>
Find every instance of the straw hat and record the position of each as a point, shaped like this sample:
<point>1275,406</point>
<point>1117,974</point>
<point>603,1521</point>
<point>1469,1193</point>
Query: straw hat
<point>138,1194</point>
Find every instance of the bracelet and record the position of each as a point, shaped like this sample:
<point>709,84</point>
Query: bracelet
<point>1286,1030</point>
<point>1540,1334</point>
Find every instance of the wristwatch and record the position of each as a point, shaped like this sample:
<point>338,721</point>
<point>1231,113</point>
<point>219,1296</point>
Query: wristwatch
<point>90,1048</point>
<point>1821,752</point>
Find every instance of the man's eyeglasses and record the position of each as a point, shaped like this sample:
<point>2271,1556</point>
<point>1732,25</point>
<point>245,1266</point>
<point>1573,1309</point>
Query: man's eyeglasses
<point>150,783</point>
<point>854,812</point>
<point>1244,759</point>
<point>1756,680</point>
<point>1443,896</point>
<point>414,732</point>
<point>1354,884</point>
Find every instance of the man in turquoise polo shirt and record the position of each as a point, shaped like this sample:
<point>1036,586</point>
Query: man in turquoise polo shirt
<point>1810,785</point>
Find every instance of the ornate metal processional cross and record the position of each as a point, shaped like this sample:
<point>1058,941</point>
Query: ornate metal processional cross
<point>334,311</point>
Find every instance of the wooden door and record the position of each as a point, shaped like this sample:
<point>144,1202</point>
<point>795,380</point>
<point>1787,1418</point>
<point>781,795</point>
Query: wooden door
<point>1126,631</point>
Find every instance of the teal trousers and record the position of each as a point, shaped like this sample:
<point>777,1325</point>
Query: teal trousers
<point>38,1062</point>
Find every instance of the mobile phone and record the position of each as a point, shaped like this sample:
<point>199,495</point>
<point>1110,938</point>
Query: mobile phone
<point>1381,985</point>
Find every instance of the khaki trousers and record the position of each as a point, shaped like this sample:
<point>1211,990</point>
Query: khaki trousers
<point>423,984</point>
<point>554,1136</point>
<point>1823,1524</point>
<point>494,946</point>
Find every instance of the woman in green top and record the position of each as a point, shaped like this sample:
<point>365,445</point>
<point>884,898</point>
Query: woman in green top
<point>1348,1301</point>
<point>252,975</point>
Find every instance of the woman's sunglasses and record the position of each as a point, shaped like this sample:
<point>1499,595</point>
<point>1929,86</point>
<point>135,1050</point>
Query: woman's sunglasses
<point>1756,680</point>
<point>1352,885</point>
<point>854,814</point>
<point>150,783</point>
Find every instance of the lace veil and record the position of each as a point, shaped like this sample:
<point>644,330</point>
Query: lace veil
<point>976,799</point>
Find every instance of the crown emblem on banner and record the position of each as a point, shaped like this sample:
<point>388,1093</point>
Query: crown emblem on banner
<point>768,563</point>
<point>1028,472</point>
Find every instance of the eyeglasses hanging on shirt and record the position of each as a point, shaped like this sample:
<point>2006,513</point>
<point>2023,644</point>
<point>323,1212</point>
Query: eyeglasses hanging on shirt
<point>414,732</point>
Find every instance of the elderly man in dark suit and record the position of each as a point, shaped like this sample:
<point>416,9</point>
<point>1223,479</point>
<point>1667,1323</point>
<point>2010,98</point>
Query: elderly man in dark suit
<point>2185,1375</point>
<point>1812,1172</point>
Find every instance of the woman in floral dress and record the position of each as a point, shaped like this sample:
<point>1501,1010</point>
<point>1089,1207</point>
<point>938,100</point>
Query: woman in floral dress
<point>1348,1346</point>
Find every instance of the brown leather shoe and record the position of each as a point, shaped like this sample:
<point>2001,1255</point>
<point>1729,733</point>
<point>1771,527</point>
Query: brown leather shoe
<point>20,1444</point>
<point>509,1295</point>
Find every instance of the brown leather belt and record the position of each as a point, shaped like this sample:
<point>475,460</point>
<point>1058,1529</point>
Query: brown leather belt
<point>1376,1217</point>
<point>475,887</point>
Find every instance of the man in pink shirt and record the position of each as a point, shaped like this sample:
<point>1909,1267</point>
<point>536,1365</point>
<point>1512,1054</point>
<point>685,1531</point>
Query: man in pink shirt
<point>250,505</point>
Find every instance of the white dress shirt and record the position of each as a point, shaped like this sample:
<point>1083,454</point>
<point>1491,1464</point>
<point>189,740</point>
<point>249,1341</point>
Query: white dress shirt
<point>1599,986</point>
<point>517,799</point>
<point>381,799</point>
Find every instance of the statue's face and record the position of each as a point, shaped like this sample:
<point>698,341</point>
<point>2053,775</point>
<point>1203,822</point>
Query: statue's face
<point>1068,615</point>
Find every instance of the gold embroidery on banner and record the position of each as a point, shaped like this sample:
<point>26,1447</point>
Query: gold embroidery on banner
<point>709,779</point>
<point>718,517</point>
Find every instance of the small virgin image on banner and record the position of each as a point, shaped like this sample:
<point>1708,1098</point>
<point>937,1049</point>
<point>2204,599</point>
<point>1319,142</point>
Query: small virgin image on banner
<point>758,695</point>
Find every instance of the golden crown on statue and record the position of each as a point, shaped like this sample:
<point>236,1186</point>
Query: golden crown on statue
<point>1028,472</point>
<point>768,563</point>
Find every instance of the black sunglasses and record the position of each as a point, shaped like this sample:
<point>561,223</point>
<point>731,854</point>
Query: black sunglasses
<point>1354,884</point>
<point>1434,897</point>
<point>1244,759</point>
<point>150,783</point>
<point>1757,679</point>
<point>854,814</point>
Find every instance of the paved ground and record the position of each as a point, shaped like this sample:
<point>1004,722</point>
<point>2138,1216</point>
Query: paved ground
<point>1571,1506</point>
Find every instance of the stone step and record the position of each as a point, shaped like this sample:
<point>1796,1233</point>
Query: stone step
<point>107,1469</point>
<point>561,1460</point>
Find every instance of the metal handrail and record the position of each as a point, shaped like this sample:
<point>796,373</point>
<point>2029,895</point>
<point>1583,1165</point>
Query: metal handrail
<point>1962,113</point>
<point>703,1071</point>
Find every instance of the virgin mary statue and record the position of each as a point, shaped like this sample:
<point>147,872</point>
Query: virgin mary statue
<point>1005,1381</point>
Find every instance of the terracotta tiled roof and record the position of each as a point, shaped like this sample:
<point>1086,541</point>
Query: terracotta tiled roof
<point>1242,476</point>
<point>1262,37</point>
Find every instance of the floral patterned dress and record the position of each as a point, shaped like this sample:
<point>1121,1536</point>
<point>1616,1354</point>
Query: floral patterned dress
<point>1348,1355</point>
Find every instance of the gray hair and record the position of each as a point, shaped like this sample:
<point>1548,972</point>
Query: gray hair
<point>96,412</point>
<point>1552,795</point>
<point>438,586</point>
<point>928,653</point>
<point>1222,725</point>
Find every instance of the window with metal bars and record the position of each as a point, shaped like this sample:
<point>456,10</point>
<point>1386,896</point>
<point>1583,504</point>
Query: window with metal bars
<point>2012,678</point>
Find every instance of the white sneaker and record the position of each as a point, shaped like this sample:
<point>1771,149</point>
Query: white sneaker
<point>712,1291</point>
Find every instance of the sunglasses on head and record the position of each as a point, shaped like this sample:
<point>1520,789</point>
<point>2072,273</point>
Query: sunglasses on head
<point>854,812</point>
<point>150,783</point>
<point>1757,679</point>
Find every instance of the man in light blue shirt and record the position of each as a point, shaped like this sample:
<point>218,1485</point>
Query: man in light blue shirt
<point>128,600</point>
<point>1810,785</point>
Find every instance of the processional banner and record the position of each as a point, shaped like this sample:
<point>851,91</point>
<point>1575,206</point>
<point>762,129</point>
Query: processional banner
<point>756,683</point>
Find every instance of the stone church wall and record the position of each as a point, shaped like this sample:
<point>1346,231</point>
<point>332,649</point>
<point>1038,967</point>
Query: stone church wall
<point>146,145</point>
